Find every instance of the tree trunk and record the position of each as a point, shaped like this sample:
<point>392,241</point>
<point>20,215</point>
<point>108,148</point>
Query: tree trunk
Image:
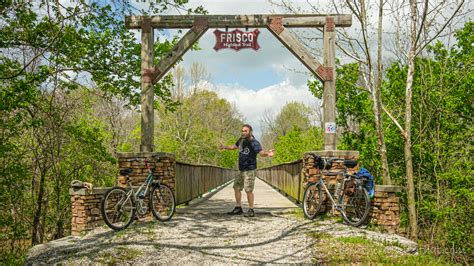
<point>59,217</point>
<point>408,115</point>
<point>38,212</point>
<point>377,107</point>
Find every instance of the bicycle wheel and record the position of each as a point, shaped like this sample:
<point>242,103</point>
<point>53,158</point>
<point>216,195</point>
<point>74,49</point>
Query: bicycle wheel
<point>117,208</point>
<point>355,206</point>
<point>312,200</point>
<point>162,202</point>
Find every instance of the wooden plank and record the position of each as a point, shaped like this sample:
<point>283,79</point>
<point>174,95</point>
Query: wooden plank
<point>296,48</point>
<point>178,51</point>
<point>202,187</point>
<point>236,21</point>
<point>178,182</point>
<point>147,92</point>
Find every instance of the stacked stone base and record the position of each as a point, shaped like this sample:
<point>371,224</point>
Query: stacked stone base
<point>162,164</point>
<point>313,173</point>
<point>86,209</point>
<point>386,207</point>
<point>85,202</point>
<point>385,210</point>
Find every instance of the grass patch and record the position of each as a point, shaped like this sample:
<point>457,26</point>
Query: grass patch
<point>355,240</point>
<point>359,249</point>
<point>297,213</point>
<point>120,234</point>
<point>319,235</point>
<point>180,206</point>
<point>120,254</point>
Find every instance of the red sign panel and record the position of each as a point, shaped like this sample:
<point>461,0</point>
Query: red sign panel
<point>236,39</point>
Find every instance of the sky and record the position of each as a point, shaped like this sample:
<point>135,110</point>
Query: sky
<point>256,82</point>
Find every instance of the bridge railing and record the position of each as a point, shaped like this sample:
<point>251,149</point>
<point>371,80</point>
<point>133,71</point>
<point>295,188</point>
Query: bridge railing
<point>195,180</point>
<point>286,177</point>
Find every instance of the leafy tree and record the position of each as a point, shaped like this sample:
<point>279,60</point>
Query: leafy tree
<point>296,142</point>
<point>194,131</point>
<point>441,132</point>
<point>49,131</point>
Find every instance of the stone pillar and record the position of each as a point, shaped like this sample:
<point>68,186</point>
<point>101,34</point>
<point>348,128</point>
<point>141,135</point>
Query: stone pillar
<point>85,202</point>
<point>312,173</point>
<point>85,209</point>
<point>385,211</point>
<point>162,164</point>
<point>386,207</point>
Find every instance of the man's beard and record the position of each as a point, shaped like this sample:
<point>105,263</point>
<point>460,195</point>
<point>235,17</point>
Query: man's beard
<point>246,137</point>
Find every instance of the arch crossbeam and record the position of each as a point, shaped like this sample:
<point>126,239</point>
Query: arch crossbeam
<point>234,21</point>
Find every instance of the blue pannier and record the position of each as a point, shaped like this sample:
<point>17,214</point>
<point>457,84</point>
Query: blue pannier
<point>369,185</point>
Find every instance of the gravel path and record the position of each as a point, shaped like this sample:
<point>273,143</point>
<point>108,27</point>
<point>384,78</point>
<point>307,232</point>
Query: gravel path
<point>201,233</point>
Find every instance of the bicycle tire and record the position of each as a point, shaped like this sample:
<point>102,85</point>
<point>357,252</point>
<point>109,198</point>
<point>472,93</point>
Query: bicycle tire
<point>162,202</point>
<point>312,200</point>
<point>126,210</point>
<point>356,207</point>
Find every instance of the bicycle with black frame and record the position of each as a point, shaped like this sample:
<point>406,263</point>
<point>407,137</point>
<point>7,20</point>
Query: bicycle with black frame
<point>120,206</point>
<point>350,197</point>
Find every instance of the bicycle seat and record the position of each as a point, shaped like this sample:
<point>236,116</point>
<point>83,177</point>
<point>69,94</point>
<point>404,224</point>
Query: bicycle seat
<point>350,163</point>
<point>126,171</point>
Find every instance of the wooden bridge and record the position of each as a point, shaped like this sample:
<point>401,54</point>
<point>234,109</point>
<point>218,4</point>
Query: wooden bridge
<point>201,231</point>
<point>190,182</point>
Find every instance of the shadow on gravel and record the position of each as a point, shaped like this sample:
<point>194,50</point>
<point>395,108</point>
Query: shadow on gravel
<point>91,246</point>
<point>205,221</point>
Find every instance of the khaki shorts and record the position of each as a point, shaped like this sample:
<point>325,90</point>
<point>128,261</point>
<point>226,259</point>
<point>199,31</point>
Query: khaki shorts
<point>245,180</point>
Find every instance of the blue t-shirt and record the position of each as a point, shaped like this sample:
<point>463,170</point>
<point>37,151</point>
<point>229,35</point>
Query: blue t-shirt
<point>248,151</point>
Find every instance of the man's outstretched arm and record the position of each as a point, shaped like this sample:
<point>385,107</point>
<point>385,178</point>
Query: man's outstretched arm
<point>231,147</point>
<point>268,153</point>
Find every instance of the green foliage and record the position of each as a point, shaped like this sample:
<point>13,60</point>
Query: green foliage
<point>194,131</point>
<point>293,115</point>
<point>52,129</point>
<point>441,134</point>
<point>355,119</point>
<point>291,133</point>
<point>441,137</point>
<point>295,143</point>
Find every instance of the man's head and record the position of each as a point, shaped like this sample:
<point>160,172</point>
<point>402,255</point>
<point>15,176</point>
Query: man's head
<point>246,132</point>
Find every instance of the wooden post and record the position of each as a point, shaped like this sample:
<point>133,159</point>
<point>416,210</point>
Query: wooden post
<point>329,95</point>
<point>147,91</point>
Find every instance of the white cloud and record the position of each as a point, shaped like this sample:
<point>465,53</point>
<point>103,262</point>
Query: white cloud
<point>253,104</point>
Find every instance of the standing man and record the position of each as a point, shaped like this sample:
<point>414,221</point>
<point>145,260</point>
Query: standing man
<point>248,148</point>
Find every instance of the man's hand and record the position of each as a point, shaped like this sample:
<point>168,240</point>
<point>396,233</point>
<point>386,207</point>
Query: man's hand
<point>270,153</point>
<point>221,147</point>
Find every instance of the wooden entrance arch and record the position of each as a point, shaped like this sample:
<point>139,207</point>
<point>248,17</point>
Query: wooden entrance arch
<point>198,25</point>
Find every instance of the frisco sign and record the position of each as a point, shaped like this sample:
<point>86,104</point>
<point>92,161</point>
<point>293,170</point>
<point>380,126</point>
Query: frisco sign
<point>236,39</point>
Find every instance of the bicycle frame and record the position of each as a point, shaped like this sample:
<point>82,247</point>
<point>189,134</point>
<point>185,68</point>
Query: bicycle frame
<point>132,201</point>
<point>336,197</point>
<point>148,182</point>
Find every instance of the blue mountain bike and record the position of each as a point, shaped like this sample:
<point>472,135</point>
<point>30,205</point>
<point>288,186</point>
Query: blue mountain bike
<point>119,206</point>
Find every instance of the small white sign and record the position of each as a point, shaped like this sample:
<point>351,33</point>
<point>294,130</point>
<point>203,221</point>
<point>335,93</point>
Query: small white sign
<point>330,127</point>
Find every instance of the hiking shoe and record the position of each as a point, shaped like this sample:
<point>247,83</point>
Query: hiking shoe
<point>249,213</point>
<point>236,210</point>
